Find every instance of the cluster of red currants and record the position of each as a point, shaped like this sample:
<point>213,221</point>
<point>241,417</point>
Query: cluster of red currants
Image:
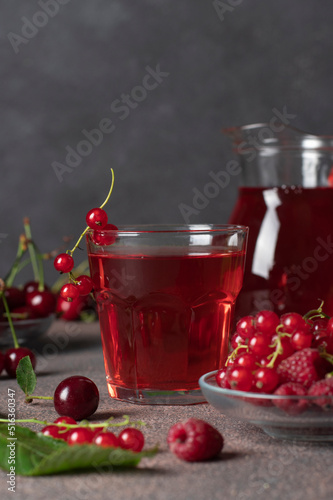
<point>97,220</point>
<point>268,351</point>
<point>129,438</point>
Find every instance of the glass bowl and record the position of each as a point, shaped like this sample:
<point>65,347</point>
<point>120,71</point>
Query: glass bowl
<point>27,330</point>
<point>285,417</point>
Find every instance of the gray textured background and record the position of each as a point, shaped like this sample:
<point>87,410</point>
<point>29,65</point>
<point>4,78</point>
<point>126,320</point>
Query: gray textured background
<point>226,69</point>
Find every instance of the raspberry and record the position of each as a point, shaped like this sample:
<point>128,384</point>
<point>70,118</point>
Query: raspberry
<point>291,406</point>
<point>304,367</point>
<point>194,440</point>
<point>323,388</point>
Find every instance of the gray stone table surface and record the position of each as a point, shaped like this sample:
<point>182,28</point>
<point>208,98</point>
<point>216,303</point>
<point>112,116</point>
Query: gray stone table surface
<point>252,465</point>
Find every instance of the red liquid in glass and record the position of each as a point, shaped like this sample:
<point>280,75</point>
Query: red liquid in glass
<point>164,319</point>
<point>289,262</point>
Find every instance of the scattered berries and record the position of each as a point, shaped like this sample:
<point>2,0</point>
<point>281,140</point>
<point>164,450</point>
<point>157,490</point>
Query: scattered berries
<point>131,439</point>
<point>194,440</point>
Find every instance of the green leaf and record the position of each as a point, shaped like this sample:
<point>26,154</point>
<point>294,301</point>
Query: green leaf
<point>36,454</point>
<point>25,376</point>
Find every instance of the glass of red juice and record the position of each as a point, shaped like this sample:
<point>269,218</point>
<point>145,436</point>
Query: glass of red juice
<point>165,297</point>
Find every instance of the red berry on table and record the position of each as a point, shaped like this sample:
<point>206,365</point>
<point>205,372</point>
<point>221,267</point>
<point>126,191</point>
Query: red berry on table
<point>265,379</point>
<point>194,440</point>
<point>76,397</point>
<point>131,439</point>
<point>292,406</point>
<point>105,236</point>
<point>221,379</point>
<point>106,440</point>
<point>240,378</point>
<point>13,357</point>
<point>80,435</point>
<point>69,292</point>
<point>63,263</point>
<point>84,284</point>
<point>266,322</point>
<point>323,388</point>
<point>42,303</point>
<point>96,218</point>
<point>304,367</point>
<point>245,327</point>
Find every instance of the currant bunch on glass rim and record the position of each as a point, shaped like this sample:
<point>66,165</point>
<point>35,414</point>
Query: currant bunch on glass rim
<point>97,221</point>
<point>282,355</point>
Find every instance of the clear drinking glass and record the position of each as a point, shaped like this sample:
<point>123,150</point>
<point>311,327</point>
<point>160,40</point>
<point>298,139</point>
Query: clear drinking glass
<point>165,298</point>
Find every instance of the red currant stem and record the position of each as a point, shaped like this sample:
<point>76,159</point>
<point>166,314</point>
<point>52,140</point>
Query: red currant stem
<point>278,349</point>
<point>234,353</point>
<point>83,423</point>
<point>9,317</point>
<point>32,253</point>
<point>9,280</point>
<point>82,268</point>
<point>87,228</point>
<point>316,313</point>
<point>327,356</point>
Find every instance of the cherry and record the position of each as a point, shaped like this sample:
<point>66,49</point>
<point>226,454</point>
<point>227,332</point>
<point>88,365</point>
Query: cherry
<point>13,357</point>
<point>31,286</point>
<point>240,378</point>
<point>105,236</point>
<point>80,435</point>
<point>2,362</point>
<point>106,439</point>
<point>266,322</point>
<point>245,327</point>
<point>221,379</point>
<point>15,297</point>
<point>69,292</point>
<point>96,218</point>
<point>76,397</point>
<point>24,312</point>
<point>131,439</point>
<point>84,284</point>
<point>260,345</point>
<point>42,303</point>
<point>293,321</point>
<point>265,379</point>
<point>63,263</point>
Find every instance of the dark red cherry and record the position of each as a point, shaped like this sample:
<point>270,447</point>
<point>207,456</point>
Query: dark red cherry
<point>76,397</point>
<point>15,297</point>
<point>13,357</point>
<point>42,303</point>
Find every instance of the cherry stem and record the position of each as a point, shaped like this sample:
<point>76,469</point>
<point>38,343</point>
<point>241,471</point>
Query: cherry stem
<point>9,280</point>
<point>31,248</point>
<point>11,326</point>
<point>62,280</point>
<point>87,228</point>
<point>29,398</point>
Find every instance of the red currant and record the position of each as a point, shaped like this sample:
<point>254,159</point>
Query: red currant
<point>266,322</point>
<point>80,435</point>
<point>292,321</point>
<point>236,340</point>
<point>319,324</point>
<point>106,236</point>
<point>96,218</point>
<point>70,311</point>
<point>63,432</point>
<point>63,263</point>
<point>13,357</point>
<point>260,345</point>
<point>265,379</point>
<point>245,327</point>
<point>221,379</point>
<point>300,340</point>
<point>329,326</point>
<point>76,397</point>
<point>84,284</point>
<point>240,378</point>
<point>106,440</point>
<point>69,292</point>
<point>247,359</point>
<point>131,439</point>
<point>53,431</point>
<point>287,348</point>
<point>42,303</point>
